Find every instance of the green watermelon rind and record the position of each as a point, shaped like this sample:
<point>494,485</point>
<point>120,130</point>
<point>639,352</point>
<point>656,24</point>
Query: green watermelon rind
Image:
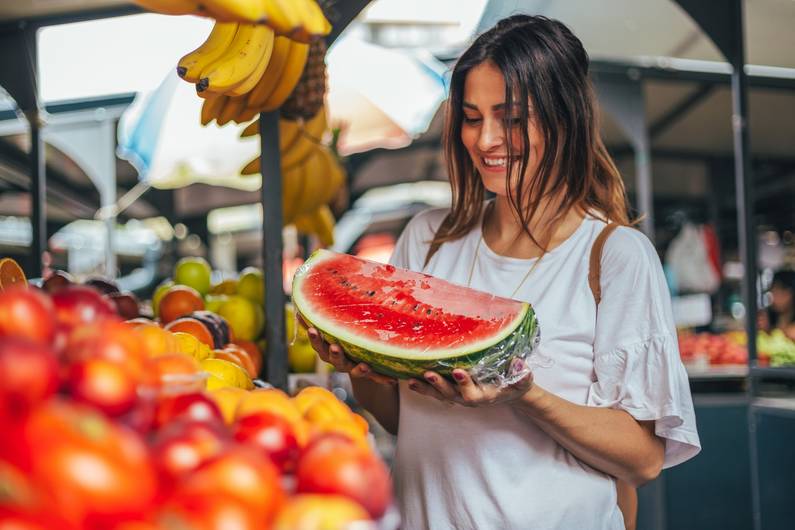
<point>488,364</point>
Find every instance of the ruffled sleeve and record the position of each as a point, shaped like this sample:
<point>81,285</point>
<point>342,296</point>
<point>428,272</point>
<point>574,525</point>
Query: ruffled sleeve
<point>637,367</point>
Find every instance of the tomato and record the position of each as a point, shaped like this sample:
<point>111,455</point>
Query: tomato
<point>210,511</point>
<point>29,374</point>
<point>184,446</point>
<point>241,474</point>
<point>270,434</point>
<point>27,313</point>
<point>196,406</point>
<point>105,385</point>
<point>336,467</point>
<point>97,472</point>
<point>79,304</point>
<point>111,340</point>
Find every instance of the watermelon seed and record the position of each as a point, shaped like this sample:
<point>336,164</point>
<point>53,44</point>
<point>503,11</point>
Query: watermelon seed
<point>428,311</point>
<point>416,306</point>
<point>370,293</point>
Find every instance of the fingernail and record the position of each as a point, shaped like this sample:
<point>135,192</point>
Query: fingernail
<point>312,333</point>
<point>412,385</point>
<point>431,378</point>
<point>458,376</point>
<point>365,369</point>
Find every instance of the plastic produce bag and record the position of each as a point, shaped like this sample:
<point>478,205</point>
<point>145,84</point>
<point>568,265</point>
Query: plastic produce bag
<point>404,323</point>
<point>689,261</point>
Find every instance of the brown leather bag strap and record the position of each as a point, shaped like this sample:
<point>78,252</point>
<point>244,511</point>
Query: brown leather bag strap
<point>595,264</point>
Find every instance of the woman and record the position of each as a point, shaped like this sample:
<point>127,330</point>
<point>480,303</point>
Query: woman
<point>781,312</point>
<point>615,405</point>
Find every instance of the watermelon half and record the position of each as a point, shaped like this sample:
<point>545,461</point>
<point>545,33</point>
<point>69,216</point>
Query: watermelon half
<point>404,323</point>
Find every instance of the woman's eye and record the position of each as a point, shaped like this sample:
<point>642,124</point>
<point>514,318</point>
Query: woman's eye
<point>470,120</point>
<point>514,122</point>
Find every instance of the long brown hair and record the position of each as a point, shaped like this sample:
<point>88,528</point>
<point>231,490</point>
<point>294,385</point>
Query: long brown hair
<point>543,62</point>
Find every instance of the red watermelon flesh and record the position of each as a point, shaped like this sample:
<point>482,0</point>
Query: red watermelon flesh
<point>379,312</point>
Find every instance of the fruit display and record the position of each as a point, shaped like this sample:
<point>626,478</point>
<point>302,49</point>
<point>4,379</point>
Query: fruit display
<point>404,323</point>
<point>122,424</point>
<point>713,349</point>
<point>773,348</point>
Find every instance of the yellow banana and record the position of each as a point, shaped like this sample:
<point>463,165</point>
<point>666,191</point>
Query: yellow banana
<point>320,223</point>
<point>190,66</point>
<point>212,107</point>
<point>288,132</point>
<point>239,61</point>
<point>232,107</point>
<point>293,183</point>
<point>335,174</point>
<point>171,7</point>
<point>314,191</point>
<point>289,78</point>
<point>310,137</point>
<point>251,81</point>
<point>313,21</point>
<point>239,10</point>
<point>281,16</point>
<point>245,115</point>
<point>279,57</point>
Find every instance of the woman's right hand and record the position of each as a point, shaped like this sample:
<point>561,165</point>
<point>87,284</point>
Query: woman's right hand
<point>333,354</point>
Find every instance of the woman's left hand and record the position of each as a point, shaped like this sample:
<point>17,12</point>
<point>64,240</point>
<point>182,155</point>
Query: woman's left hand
<point>466,391</point>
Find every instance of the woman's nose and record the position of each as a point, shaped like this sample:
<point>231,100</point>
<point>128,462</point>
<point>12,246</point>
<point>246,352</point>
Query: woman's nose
<point>492,135</point>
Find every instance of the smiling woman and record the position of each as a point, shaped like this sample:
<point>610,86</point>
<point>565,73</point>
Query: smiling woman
<point>564,448</point>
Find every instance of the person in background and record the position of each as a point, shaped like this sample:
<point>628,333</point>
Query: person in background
<point>780,314</point>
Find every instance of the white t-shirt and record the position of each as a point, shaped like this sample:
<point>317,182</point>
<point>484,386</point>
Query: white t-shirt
<point>460,468</point>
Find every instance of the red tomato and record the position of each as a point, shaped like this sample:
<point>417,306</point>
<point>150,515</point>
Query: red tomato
<point>79,304</point>
<point>104,385</point>
<point>97,472</point>
<point>196,407</point>
<point>210,511</point>
<point>240,474</point>
<point>333,467</point>
<point>27,313</point>
<point>184,446</point>
<point>270,434</point>
<point>111,340</point>
<point>29,374</point>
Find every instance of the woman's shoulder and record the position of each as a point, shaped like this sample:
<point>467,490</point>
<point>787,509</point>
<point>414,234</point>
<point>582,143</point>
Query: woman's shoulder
<point>424,225</point>
<point>628,247</point>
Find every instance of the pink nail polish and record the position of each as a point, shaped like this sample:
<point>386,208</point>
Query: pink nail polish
<point>458,376</point>
<point>431,378</point>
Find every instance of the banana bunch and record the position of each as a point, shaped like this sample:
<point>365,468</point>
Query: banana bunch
<point>297,141</point>
<point>301,20</point>
<point>245,74</point>
<point>319,223</point>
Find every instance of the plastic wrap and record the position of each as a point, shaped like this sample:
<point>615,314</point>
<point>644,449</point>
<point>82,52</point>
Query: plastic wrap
<point>404,323</point>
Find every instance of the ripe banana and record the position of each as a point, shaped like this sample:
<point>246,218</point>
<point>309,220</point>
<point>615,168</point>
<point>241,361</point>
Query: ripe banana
<point>332,175</point>
<point>282,16</point>
<point>172,7</point>
<point>288,132</point>
<point>190,66</point>
<point>272,75</point>
<point>212,107</point>
<point>319,223</point>
<point>289,78</point>
<point>239,61</point>
<point>307,141</point>
<point>293,182</point>
<point>313,22</point>
<point>232,107</point>
<point>252,80</point>
<point>237,10</point>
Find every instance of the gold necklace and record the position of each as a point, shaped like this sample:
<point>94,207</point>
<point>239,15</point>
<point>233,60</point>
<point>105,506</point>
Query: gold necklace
<point>475,260</point>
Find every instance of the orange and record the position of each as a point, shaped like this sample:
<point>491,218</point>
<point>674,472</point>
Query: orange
<point>237,355</point>
<point>11,274</point>
<point>174,372</point>
<point>276,402</point>
<point>253,352</point>
<point>155,340</point>
<point>322,511</point>
<point>193,327</point>
<point>179,301</point>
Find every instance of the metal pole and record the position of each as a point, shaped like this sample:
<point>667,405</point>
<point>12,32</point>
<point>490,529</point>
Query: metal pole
<point>275,365</point>
<point>38,196</point>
